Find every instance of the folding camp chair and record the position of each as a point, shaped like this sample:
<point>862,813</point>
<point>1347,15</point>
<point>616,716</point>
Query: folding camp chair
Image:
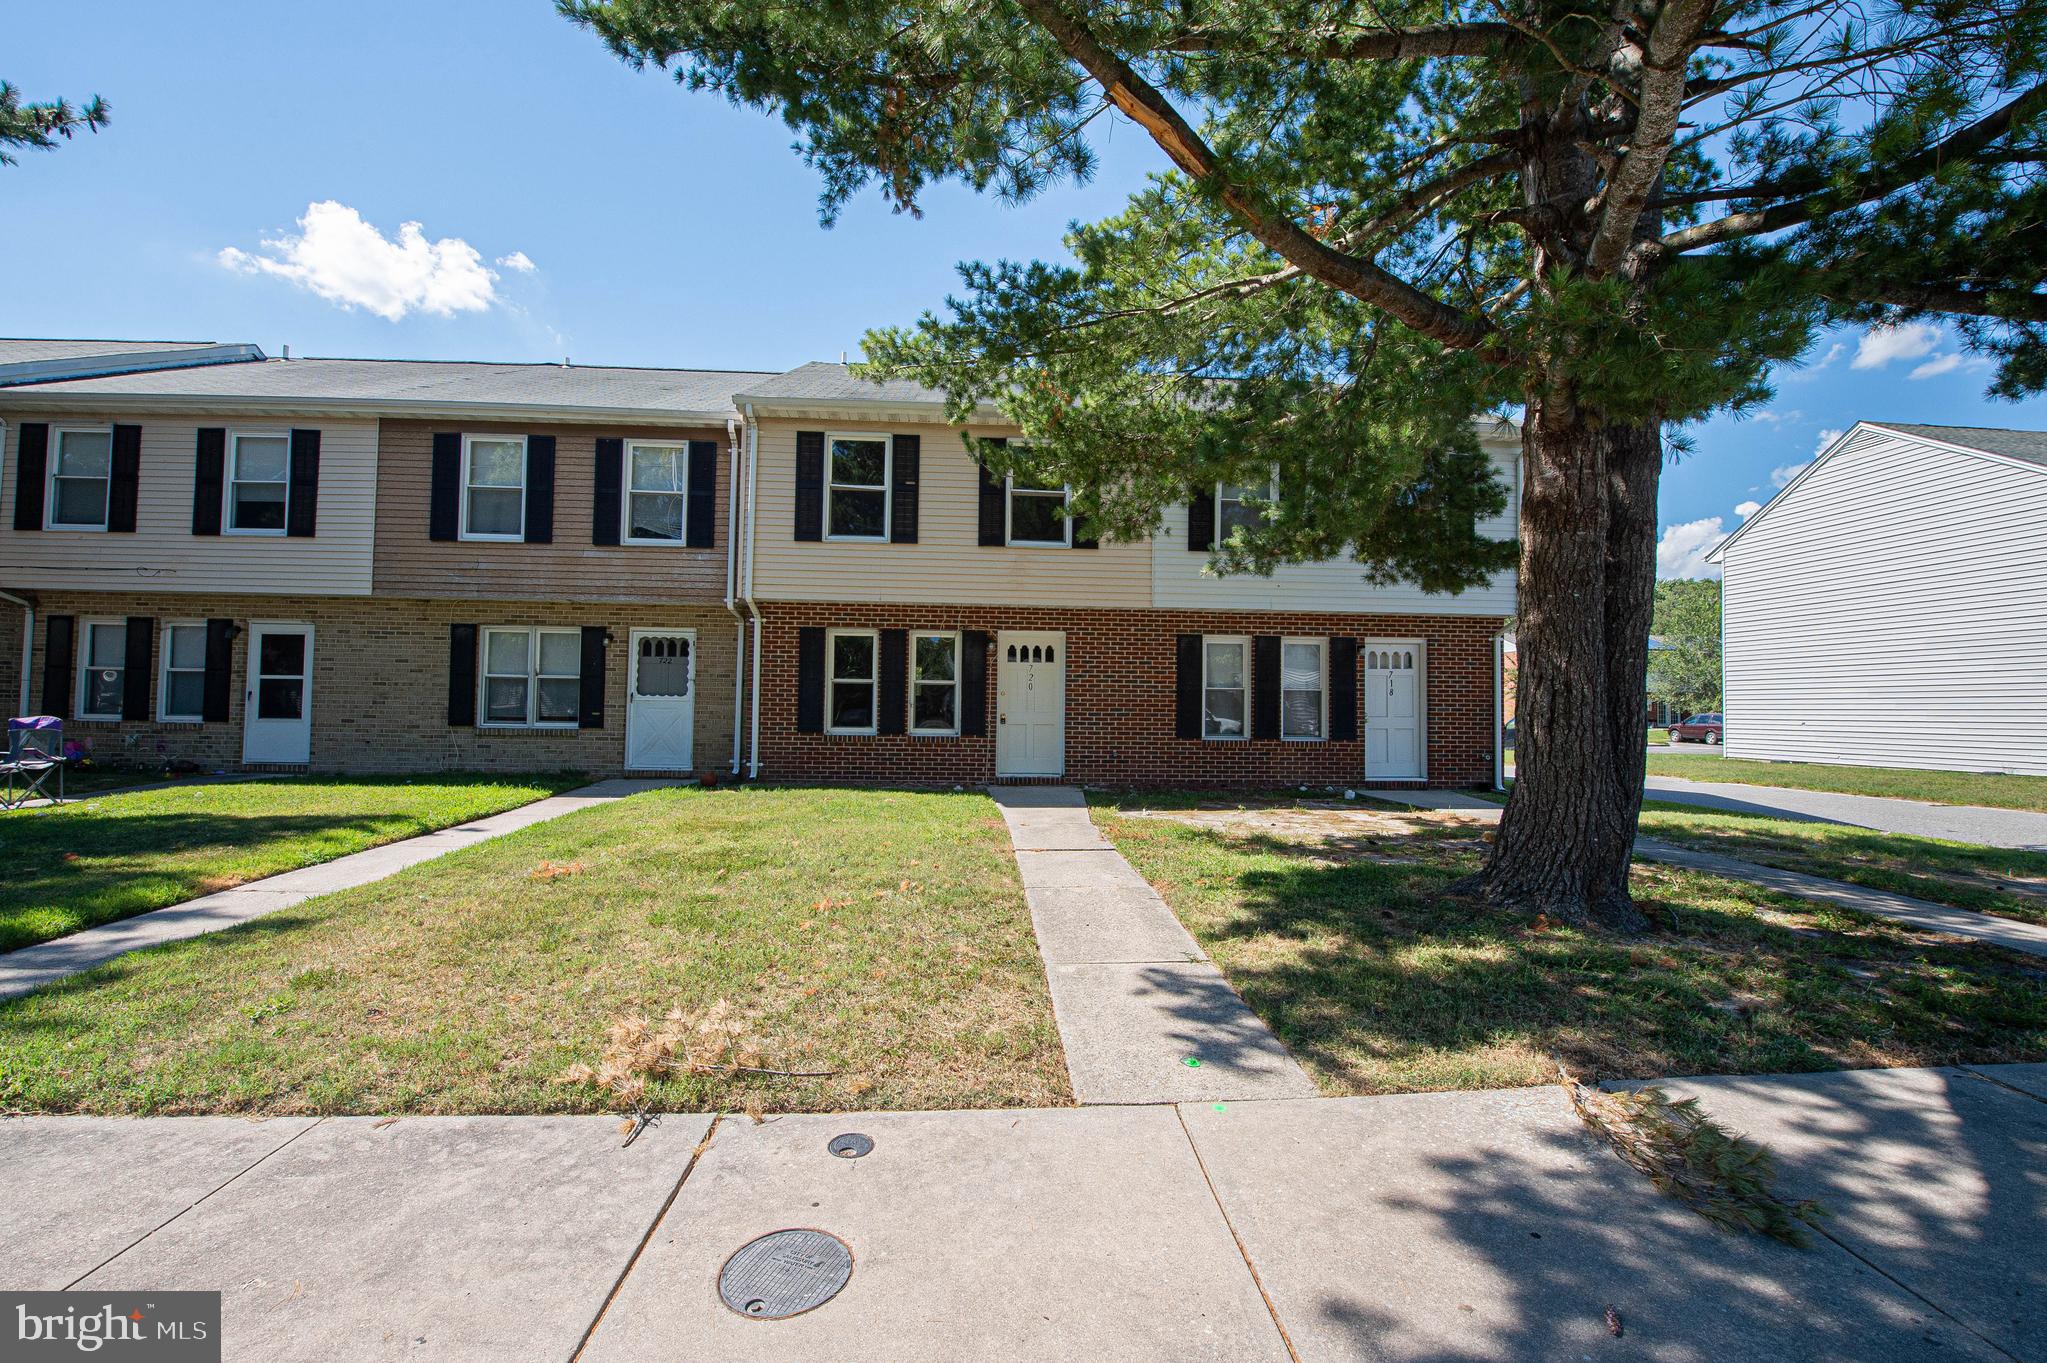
<point>35,749</point>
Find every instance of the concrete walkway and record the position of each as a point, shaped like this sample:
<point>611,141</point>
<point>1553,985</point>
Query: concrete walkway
<point>1417,1228</point>
<point>2010,933</point>
<point>2018,828</point>
<point>31,968</point>
<point>1144,1015</point>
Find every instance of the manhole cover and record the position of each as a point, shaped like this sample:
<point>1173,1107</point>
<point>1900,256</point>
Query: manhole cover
<point>852,1145</point>
<point>785,1274</point>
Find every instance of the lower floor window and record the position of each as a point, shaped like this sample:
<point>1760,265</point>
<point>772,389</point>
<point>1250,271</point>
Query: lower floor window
<point>104,679</point>
<point>934,683</point>
<point>852,657</point>
<point>1224,672</point>
<point>1300,688</point>
<point>532,676</point>
<point>182,693</point>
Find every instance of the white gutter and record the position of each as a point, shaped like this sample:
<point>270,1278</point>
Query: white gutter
<point>51,398</point>
<point>28,644</point>
<point>732,533</point>
<point>753,727</point>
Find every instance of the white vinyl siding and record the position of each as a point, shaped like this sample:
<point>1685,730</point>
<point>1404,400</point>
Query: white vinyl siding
<point>1891,610</point>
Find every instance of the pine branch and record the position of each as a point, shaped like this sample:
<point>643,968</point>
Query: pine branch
<point>1390,44</point>
<point>1659,104</point>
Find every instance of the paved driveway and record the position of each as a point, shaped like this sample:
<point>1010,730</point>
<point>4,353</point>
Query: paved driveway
<point>1958,823</point>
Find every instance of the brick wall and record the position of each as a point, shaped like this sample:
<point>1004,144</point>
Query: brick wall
<point>1120,700</point>
<point>380,682</point>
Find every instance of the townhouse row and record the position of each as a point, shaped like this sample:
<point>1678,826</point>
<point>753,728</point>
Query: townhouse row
<point>360,565</point>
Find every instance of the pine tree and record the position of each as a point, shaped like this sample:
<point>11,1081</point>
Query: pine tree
<point>38,126</point>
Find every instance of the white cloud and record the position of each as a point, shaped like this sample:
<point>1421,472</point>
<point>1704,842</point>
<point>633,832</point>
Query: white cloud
<point>1948,363</point>
<point>1827,437</point>
<point>1881,345</point>
<point>1784,473</point>
<point>1682,550</point>
<point>1780,418</point>
<point>519,261</point>
<point>1747,509</point>
<point>345,260</point>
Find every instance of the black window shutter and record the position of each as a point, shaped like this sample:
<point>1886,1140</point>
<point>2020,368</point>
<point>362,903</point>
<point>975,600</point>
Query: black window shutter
<point>1343,690</point>
<point>590,708</point>
<point>1084,536</point>
<point>540,489</point>
<point>302,505</point>
<point>444,515</point>
<point>702,530</point>
<point>974,684</point>
<point>608,491</point>
<point>220,662</point>
<point>893,701</point>
<point>31,471</point>
<point>122,490</point>
<point>906,474</point>
<point>810,486</point>
<point>461,676</point>
<point>1265,686</point>
<point>1187,686</point>
<point>209,478</point>
<point>1201,521</point>
<point>57,635</point>
<point>994,524</point>
<point>136,667</point>
<point>810,680</point>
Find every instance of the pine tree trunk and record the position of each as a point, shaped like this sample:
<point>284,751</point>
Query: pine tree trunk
<point>1588,581</point>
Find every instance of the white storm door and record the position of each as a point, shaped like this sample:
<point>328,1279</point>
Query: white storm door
<point>1030,704</point>
<point>661,700</point>
<point>1393,711</point>
<point>277,703</point>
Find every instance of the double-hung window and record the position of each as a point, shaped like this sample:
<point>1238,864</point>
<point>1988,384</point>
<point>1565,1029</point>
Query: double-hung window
<point>934,683</point>
<point>851,654</point>
<point>181,691</point>
<point>493,487</point>
<point>1037,510</point>
<point>532,677</point>
<point>103,680</point>
<point>1242,505</point>
<point>856,491</point>
<point>1301,688</point>
<point>657,492</point>
<point>1225,683</point>
<point>81,475</point>
<point>259,479</point>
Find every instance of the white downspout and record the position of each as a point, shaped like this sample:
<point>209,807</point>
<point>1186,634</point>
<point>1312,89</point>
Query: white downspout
<point>28,645</point>
<point>753,728</point>
<point>732,534</point>
<point>1499,712</point>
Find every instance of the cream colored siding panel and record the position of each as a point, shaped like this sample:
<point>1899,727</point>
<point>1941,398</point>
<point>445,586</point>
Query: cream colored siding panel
<point>165,554</point>
<point>1891,610</point>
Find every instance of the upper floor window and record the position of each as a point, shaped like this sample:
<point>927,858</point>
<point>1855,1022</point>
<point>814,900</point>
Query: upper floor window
<point>856,491</point>
<point>493,487</point>
<point>1225,677</point>
<point>852,656</point>
<point>532,676</point>
<point>81,476</point>
<point>181,691</point>
<point>657,492</point>
<point>1242,504</point>
<point>1301,705</point>
<point>1037,509</point>
<point>259,478</point>
<point>934,683</point>
<point>103,680</point>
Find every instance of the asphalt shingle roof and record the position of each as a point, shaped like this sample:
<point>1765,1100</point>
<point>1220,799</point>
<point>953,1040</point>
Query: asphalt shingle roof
<point>2030,446</point>
<point>23,349</point>
<point>819,381</point>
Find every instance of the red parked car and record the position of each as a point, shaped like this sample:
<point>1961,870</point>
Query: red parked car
<point>1697,729</point>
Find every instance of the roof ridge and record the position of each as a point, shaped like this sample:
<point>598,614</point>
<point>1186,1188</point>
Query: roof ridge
<point>526,364</point>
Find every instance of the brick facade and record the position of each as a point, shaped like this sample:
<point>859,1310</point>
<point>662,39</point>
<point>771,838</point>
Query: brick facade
<point>380,682</point>
<point>1120,700</point>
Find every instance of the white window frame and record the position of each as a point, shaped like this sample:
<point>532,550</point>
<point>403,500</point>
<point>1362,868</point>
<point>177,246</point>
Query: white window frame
<point>625,509</point>
<point>227,489</point>
<point>1221,525</point>
<point>163,673</point>
<point>85,669</point>
<point>832,679</point>
<point>1243,643</point>
<point>525,482</point>
<point>888,470</point>
<point>534,676</point>
<point>1010,492</point>
<point>1322,685</point>
<point>56,460</point>
<point>916,682</point>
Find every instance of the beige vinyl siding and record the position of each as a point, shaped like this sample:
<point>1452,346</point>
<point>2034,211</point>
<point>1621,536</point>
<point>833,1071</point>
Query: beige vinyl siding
<point>165,554</point>
<point>948,563</point>
<point>571,568</point>
<point>1891,610</point>
<point>1182,578</point>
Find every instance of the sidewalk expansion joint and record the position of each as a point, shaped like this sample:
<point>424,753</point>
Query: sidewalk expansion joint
<point>1243,1251</point>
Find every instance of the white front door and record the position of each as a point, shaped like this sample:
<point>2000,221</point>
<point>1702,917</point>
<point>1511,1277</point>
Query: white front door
<point>1030,704</point>
<point>277,704</point>
<point>661,700</point>
<point>1393,711</point>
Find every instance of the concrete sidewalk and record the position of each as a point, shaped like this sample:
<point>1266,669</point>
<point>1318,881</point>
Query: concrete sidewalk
<point>1467,1226</point>
<point>31,968</point>
<point>1143,1014</point>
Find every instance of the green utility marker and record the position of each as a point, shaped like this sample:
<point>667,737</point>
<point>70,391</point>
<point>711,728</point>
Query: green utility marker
<point>1193,1062</point>
<point>1222,1107</point>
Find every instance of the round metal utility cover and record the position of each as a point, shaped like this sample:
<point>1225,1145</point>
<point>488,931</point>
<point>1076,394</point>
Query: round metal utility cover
<point>785,1273</point>
<point>852,1145</point>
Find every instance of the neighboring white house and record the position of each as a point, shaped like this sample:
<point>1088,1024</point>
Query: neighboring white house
<point>1889,606</point>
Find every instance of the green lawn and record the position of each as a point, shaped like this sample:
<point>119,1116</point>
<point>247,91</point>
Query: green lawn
<point>74,865</point>
<point>882,936</point>
<point>1334,926</point>
<point>1936,787</point>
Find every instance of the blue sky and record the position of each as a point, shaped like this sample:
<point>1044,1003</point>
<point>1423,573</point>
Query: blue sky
<point>660,227</point>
